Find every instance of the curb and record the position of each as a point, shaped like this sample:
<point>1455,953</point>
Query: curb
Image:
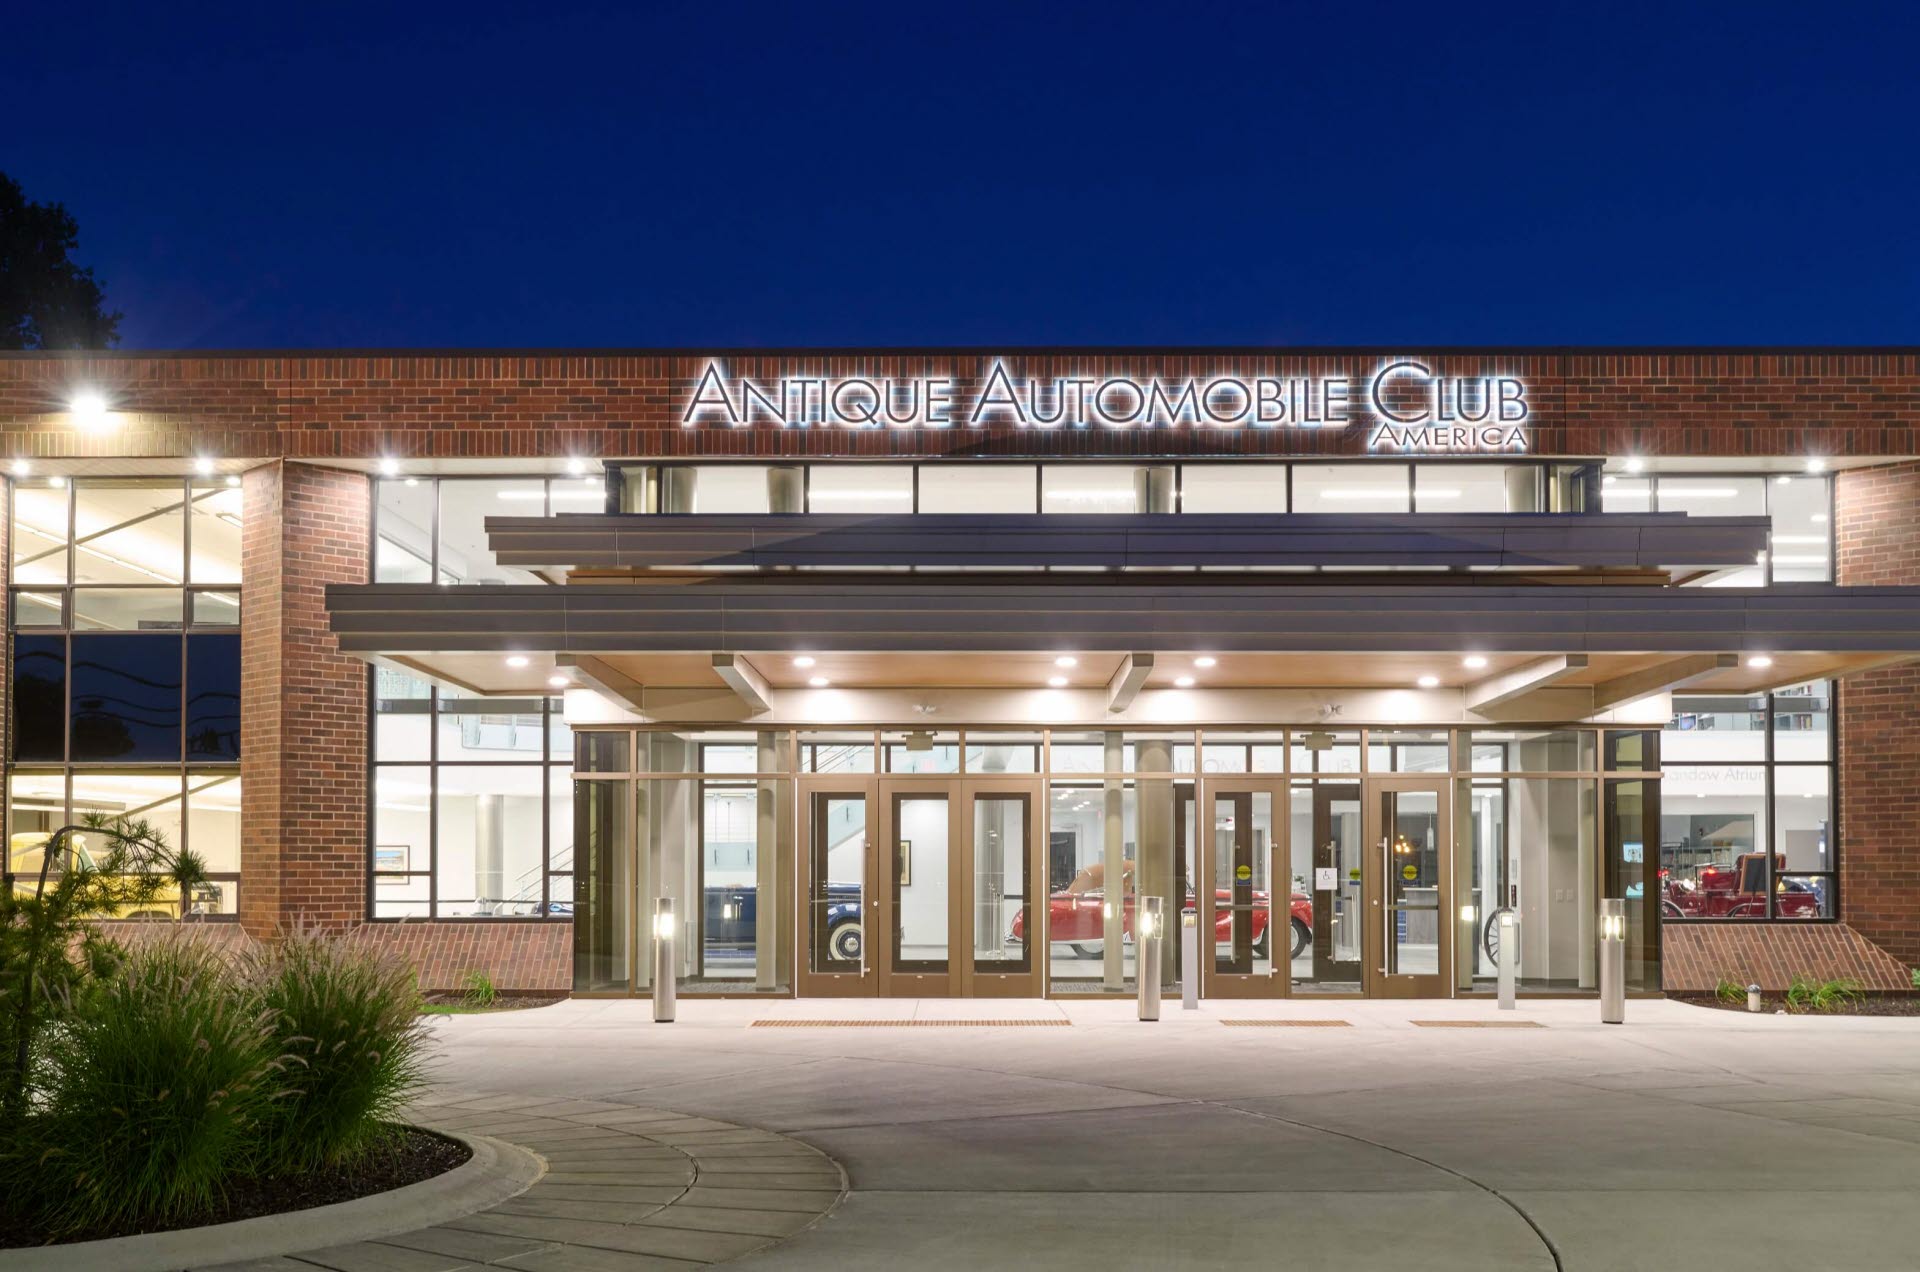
<point>496,1172</point>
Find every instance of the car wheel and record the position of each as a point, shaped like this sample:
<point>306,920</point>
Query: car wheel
<point>1668,910</point>
<point>1089,949</point>
<point>1261,946</point>
<point>1490,937</point>
<point>843,943</point>
<point>1302,937</point>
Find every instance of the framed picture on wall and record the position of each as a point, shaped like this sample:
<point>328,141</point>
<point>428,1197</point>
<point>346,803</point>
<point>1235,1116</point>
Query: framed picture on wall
<point>906,863</point>
<point>390,860</point>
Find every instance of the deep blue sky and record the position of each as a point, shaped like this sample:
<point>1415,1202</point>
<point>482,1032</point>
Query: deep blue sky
<point>266,175</point>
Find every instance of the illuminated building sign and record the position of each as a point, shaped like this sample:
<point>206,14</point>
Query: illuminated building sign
<point>1405,405</point>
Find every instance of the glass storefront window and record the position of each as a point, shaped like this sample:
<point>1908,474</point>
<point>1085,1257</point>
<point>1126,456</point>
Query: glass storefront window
<point>1626,494</point>
<point>1713,496</point>
<point>1478,488</point>
<point>1533,750</point>
<point>1243,753</point>
<point>1351,488</point>
<point>1004,488</point>
<point>860,488</point>
<point>214,533</point>
<point>1803,818</point>
<point>489,841</point>
<point>1802,540</point>
<point>1326,750</point>
<point>1233,488</point>
<point>403,521</point>
<point>1527,846</point>
<point>465,503</point>
<point>602,885</point>
<point>41,533</point>
<point>602,751</point>
<point>1003,753</point>
<point>837,752</point>
<point>1719,728</point>
<point>1803,722</point>
<point>1407,752</point>
<point>1106,488</point>
<point>921,751</point>
<point>129,532</point>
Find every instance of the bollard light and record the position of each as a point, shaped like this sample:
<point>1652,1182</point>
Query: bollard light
<point>1189,960</point>
<point>1613,961</point>
<point>1146,940</point>
<point>1753,998</point>
<point>1509,958</point>
<point>665,965</point>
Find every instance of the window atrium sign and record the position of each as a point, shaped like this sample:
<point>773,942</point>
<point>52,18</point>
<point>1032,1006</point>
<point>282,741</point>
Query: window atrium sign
<point>1405,405</point>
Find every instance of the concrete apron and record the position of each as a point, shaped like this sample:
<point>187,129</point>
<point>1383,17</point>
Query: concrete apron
<point>497,1172</point>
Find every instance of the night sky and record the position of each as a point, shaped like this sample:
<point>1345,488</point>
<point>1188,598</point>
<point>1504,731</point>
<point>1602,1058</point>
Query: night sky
<point>267,175</point>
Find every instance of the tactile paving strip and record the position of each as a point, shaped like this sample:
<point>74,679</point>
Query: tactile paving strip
<point>904,1024</point>
<point>1289,1024</point>
<point>1478,1024</point>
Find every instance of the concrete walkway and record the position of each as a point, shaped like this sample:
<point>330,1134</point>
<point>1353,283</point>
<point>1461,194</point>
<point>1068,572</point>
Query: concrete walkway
<point>1686,1138</point>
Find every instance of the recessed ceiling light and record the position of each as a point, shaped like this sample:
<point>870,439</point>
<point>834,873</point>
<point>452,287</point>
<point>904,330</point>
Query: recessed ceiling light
<point>233,481</point>
<point>1784,479</point>
<point>1057,682</point>
<point>1205,660</point>
<point>1183,682</point>
<point>559,682</point>
<point>1475,661</point>
<point>1608,480</point>
<point>203,466</point>
<point>1634,463</point>
<point>1428,682</point>
<point>389,467</point>
<point>1760,660</point>
<point>1066,660</point>
<point>517,660</point>
<point>56,481</point>
<point>819,682</point>
<point>804,660</point>
<point>21,468</point>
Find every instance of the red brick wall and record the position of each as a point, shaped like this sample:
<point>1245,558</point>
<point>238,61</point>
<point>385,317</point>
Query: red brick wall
<point>1584,402</point>
<point>303,703</point>
<point>520,957</point>
<point>1876,519</point>
<point>1696,957</point>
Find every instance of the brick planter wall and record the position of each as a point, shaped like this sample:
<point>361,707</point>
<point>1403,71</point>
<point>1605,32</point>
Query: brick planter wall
<point>1694,957</point>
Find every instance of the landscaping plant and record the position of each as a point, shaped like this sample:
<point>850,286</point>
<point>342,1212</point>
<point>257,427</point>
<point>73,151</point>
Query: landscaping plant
<point>51,949</point>
<point>1804,995</point>
<point>345,1014</point>
<point>480,990</point>
<point>154,1085</point>
<point>1730,991</point>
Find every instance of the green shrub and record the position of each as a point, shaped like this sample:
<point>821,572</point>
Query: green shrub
<point>1729,991</point>
<point>480,991</point>
<point>155,1084</point>
<point>345,1013</point>
<point>1804,995</point>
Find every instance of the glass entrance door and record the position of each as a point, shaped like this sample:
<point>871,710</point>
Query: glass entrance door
<point>919,886</point>
<point>1408,897</point>
<point>1242,905</point>
<point>1329,868</point>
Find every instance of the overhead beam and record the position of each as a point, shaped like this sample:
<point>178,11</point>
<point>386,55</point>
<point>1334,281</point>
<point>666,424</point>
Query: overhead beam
<point>608,679</point>
<point>1126,682</point>
<point>744,679</point>
<point>1658,679</point>
<point>1508,685</point>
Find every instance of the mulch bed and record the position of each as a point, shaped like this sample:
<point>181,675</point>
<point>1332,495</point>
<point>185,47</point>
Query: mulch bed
<point>1870,1005</point>
<point>415,1155</point>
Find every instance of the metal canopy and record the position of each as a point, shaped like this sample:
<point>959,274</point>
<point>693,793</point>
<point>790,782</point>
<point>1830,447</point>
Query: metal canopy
<point>1122,612</point>
<point>1135,541</point>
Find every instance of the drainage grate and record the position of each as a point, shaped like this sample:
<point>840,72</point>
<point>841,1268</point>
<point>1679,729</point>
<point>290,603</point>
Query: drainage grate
<point>1288,1024</point>
<point>1479,1024</point>
<point>904,1024</point>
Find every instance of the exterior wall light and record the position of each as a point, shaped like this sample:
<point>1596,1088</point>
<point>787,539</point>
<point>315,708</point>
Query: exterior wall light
<point>1613,961</point>
<point>1146,938</point>
<point>233,481</point>
<point>90,411</point>
<point>576,466</point>
<point>664,963</point>
<point>1816,465</point>
<point>21,468</point>
<point>203,466</point>
<point>1183,682</point>
<point>1057,682</point>
<point>389,467</point>
<point>1635,464</point>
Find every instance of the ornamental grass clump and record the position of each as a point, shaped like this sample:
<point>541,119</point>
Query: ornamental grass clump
<point>156,1084</point>
<point>346,1015</point>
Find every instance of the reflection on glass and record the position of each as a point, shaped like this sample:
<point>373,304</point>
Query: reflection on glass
<point>1527,847</point>
<point>1243,910</point>
<point>125,701</point>
<point>1233,488</point>
<point>403,520</point>
<point>918,880</point>
<point>1713,839</point>
<point>603,886</point>
<point>215,534</point>
<point>488,860</point>
<point>837,883</point>
<point>1000,943</point>
<point>129,532</point>
<point>1327,838</point>
<point>1411,822</point>
<point>1801,550</point>
<point>465,554</point>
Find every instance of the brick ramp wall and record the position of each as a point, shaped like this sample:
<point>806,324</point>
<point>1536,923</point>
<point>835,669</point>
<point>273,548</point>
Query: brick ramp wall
<point>1694,957</point>
<point>521,958</point>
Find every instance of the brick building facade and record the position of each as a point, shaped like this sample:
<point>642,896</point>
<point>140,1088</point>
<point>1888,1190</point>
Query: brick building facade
<point>310,434</point>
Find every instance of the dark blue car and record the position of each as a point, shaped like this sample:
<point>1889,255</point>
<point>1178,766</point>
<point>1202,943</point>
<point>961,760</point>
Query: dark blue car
<point>730,911</point>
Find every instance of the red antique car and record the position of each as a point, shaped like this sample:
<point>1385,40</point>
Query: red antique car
<point>1738,891</point>
<point>1077,919</point>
